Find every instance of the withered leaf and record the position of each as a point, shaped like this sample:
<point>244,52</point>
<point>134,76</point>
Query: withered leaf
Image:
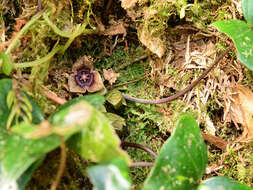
<point>242,110</point>
<point>154,44</point>
<point>127,4</point>
<point>115,29</point>
<point>110,75</point>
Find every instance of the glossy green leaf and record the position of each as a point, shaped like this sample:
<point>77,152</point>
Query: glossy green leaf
<point>115,98</point>
<point>94,100</point>
<point>98,141</point>
<point>18,154</point>
<point>222,183</point>
<point>116,121</point>
<point>247,7</point>
<point>7,64</point>
<point>26,176</point>
<point>242,35</point>
<point>182,159</point>
<point>110,176</point>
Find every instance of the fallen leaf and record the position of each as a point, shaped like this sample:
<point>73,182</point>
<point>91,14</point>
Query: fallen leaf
<point>110,75</point>
<point>154,44</point>
<point>115,29</point>
<point>241,110</point>
<point>127,4</point>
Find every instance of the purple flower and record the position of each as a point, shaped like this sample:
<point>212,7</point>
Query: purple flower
<point>84,78</point>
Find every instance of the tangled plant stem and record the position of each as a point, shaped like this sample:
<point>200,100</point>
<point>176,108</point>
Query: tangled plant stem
<point>39,61</point>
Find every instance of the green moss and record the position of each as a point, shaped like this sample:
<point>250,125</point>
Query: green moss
<point>239,165</point>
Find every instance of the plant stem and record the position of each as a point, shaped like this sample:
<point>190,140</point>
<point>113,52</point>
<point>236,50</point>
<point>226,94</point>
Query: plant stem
<point>55,28</point>
<point>141,164</point>
<point>135,145</point>
<point>38,61</point>
<point>182,92</point>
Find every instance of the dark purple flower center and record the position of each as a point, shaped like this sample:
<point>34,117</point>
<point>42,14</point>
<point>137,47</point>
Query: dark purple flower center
<point>84,77</point>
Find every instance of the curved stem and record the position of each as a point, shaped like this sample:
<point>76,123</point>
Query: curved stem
<point>55,28</point>
<point>141,164</point>
<point>135,145</point>
<point>38,61</point>
<point>187,89</point>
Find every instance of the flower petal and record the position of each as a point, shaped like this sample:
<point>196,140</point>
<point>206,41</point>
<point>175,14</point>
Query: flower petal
<point>86,61</point>
<point>73,86</point>
<point>97,84</point>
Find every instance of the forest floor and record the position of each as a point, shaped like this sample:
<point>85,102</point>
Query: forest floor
<point>145,49</point>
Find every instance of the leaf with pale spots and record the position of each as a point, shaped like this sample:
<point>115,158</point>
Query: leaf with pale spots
<point>242,35</point>
<point>97,141</point>
<point>110,176</point>
<point>222,183</point>
<point>182,159</point>
<point>247,7</point>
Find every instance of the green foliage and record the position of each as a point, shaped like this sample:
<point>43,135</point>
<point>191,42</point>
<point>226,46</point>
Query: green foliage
<point>222,183</point>
<point>242,36</point>
<point>180,165</point>
<point>31,142</point>
<point>6,62</point>
<point>110,176</point>
<point>241,33</point>
<point>182,159</point>
<point>247,7</point>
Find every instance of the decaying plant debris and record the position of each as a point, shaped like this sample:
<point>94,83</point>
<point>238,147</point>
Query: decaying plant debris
<point>106,38</point>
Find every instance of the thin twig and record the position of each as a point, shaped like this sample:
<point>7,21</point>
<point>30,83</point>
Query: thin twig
<point>52,96</point>
<point>141,164</point>
<point>62,164</point>
<point>135,145</point>
<point>216,141</point>
<point>187,89</point>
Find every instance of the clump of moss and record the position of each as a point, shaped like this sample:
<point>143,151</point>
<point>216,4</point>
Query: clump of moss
<point>238,164</point>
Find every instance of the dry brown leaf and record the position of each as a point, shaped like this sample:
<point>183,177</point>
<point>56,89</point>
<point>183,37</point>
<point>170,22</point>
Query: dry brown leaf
<point>155,44</point>
<point>110,75</point>
<point>115,29</point>
<point>127,4</point>
<point>241,110</point>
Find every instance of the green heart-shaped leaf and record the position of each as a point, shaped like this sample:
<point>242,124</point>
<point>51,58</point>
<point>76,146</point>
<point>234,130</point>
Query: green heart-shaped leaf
<point>242,35</point>
<point>182,159</point>
<point>110,176</point>
<point>221,182</point>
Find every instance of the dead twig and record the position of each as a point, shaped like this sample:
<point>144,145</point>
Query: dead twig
<point>216,141</point>
<point>52,96</point>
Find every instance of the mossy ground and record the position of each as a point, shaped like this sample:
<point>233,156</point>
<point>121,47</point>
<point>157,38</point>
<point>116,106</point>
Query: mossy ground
<point>149,125</point>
